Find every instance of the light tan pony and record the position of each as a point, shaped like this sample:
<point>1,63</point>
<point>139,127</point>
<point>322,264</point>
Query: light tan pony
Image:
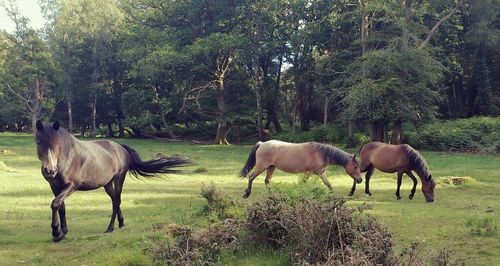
<point>402,159</point>
<point>309,157</point>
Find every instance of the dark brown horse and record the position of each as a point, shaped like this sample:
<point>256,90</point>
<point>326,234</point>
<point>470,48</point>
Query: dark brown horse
<point>402,159</point>
<point>309,157</point>
<point>69,164</point>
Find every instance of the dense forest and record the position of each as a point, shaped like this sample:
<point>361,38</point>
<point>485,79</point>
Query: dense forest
<point>234,69</point>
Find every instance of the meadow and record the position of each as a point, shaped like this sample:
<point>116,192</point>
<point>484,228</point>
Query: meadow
<point>25,206</point>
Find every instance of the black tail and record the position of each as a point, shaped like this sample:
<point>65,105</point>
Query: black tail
<point>250,161</point>
<point>150,168</point>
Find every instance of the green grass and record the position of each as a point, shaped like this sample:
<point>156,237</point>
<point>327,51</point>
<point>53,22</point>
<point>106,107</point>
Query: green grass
<point>25,206</point>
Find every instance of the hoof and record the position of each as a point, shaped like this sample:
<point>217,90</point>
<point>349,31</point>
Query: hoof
<point>246,195</point>
<point>109,230</point>
<point>65,230</point>
<point>410,196</point>
<point>368,193</point>
<point>398,197</point>
<point>59,237</point>
<point>351,193</point>
<point>123,226</point>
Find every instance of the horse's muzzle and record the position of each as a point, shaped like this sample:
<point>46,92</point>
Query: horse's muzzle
<point>49,173</point>
<point>358,179</point>
<point>429,200</point>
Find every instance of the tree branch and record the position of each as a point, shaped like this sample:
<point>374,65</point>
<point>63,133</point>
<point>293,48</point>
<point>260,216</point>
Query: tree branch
<point>441,21</point>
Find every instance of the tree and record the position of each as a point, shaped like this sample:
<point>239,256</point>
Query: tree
<point>29,69</point>
<point>84,32</point>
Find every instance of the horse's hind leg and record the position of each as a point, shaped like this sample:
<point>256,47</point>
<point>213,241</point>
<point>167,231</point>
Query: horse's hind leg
<point>325,180</point>
<point>369,172</point>
<point>111,192</point>
<point>118,198</point>
<point>412,193</point>
<point>269,174</point>
<point>252,176</point>
<point>400,179</point>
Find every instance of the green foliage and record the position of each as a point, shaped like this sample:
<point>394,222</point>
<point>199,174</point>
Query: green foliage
<point>399,85</point>
<point>320,232</point>
<point>219,204</point>
<point>471,134</point>
<point>482,226</point>
<point>332,134</point>
<point>307,186</point>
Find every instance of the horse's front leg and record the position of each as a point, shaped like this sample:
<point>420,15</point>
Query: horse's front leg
<point>353,188</point>
<point>412,192</point>
<point>57,203</point>
<point>62,218</point>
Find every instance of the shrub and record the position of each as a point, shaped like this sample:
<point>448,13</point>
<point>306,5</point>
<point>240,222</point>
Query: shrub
<point>219,204</point>
<point>307,186</point>
<point>482,226</point>
<point>318,133</point>
<point>320,232</point>
<point>457,180</point>
<point>469,135</point>
<point>197,247</point>
<point>313,231</point>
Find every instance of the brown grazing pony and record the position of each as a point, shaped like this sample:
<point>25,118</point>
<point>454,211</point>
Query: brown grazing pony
<point>402,159</point>
<point>69,164</point>
<point>309,157</point>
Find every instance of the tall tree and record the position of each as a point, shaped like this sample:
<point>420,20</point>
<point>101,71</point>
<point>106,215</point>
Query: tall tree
<point>29,69</point>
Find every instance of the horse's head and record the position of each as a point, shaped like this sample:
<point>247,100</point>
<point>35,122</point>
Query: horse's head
<point>428,186</point>
<point>352,169</point>
<point>48,145</point>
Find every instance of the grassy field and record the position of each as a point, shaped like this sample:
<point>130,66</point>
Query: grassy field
<point>25,206</point>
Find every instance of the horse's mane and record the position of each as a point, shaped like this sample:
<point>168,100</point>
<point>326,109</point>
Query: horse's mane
<point>332,154</point>
<point>417,161</point>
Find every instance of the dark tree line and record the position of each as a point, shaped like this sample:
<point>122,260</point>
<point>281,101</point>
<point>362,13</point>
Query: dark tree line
<point>170,68</point>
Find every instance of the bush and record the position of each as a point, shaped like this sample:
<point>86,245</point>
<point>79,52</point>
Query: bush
<point>219,204</point>
<point>482,226</point>
<point>307,186</point>
<point>320,232</point>
<point>320,133</point>
<point>197,247</point>
<point>457,180</point>
<point>477,134</point>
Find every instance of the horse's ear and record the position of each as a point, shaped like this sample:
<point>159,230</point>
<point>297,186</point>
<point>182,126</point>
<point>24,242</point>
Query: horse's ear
<point>55,126</point>
<point>430,177</point>
<point>39,125</point>
<point>354,158</point>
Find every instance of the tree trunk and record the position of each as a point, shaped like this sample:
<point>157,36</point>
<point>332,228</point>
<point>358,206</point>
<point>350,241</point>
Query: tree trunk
<point>303,105</point>
<point>70,115</point>
<point>377,132</point>
<point>222,128</point>
<point>110,130</point>
<point>94,115</point>
<point>274,116</point>
<point>117,93</point>
<point>396,133</point>
<point>167,127</point>
<point>325,112</point>
<point>258,97</point>
<point>257,75</point>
